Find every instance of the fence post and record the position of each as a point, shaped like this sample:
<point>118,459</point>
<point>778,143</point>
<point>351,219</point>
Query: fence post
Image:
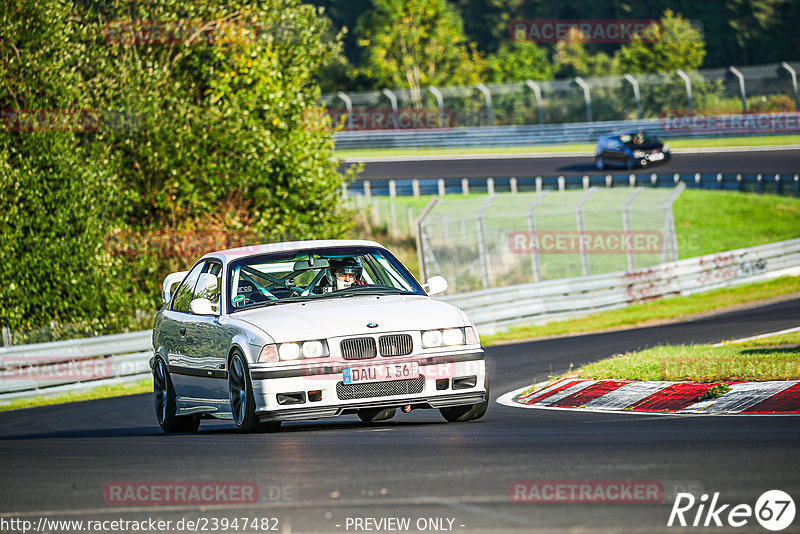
<point>348,104</point>
<point>439,103</point>
<point>344,191</point>
<point>760,181</point>
<point>562,185</point>
<point>483,249</point>
<point>797,185</point>
<point>393,216</point>
<point>582,231</point>
<point>609,180</point>
<point>793,75</point>
<point>676,178</point>
<point>420,237</point>
<point>512,183</point>
<point>415,187</point>
<point>440,186</point>
<point>6,336</point>
<point>367,189</point>
<point>393,99</point>
<point>777,184</point>
<point>635,83</point>
<point>487,96</point>
<point>739,182</point>
<point>538,184</point>
<point>392,188</point>
<point>490,186</point>
<point>464,186</point>
<point>653,179</point>
<point>585,181</point>
<point>537,91</point>
<point>537,270</point>
<point>736,72</point>
<point>587,97</point>
<point>688,84</point>
<point>626,225</point>
<point>632,180</point>
<point>719,180</point>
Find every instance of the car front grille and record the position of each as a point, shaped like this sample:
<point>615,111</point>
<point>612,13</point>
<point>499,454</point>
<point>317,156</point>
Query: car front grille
<point>395,345</point>
<point>379,389</point>
<point>358,348</point>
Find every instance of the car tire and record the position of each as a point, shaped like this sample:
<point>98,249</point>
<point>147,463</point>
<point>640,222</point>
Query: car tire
<point>374,415</point>
<point>467,412</point>
<point>630,163</point>
<point>599,164</point>
<point>165,405</point>
<point>243,404</point>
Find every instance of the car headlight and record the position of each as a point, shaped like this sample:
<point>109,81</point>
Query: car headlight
<point>447,337</point>
<point>316,348</point>
<point>638,153</point>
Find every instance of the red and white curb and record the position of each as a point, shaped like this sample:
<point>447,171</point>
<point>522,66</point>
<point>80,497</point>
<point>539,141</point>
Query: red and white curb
<point>627,396</point>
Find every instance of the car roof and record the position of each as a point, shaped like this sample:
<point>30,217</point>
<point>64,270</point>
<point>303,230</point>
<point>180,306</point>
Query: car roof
<point>255,250</point>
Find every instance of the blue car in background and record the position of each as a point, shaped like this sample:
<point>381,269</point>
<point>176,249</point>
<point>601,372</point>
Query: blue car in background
<point>629,150</point>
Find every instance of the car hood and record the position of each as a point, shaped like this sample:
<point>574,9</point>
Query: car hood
<point>335,317</point>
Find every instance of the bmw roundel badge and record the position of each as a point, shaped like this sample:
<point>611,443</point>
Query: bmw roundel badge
<point>372,325</point>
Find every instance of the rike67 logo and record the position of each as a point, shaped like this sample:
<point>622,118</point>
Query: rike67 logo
<point>774,510</point>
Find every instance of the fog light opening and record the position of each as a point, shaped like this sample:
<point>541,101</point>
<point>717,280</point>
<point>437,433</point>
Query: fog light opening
<point>465,382</point>
<point>315,396</point>
<point>442,383</point>
<point>291,398</point>
<point>407,408</point>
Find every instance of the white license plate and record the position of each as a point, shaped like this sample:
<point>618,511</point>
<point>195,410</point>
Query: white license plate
<point>380,373</point>
<point>657,156</point>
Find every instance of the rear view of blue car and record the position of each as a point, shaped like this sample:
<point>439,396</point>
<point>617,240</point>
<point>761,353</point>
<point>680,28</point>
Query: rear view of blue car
<point>629,150</point>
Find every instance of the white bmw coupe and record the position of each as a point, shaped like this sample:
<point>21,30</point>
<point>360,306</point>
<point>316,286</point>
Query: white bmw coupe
<point>310,329</point>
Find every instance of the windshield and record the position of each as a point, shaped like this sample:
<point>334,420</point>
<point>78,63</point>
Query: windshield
<point>640,138</point>
<point>316,273</point>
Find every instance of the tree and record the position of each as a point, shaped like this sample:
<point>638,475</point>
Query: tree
<point>519,61</point>
<point>416,43</point>
<point>573,59</point>
<point>677,45</point>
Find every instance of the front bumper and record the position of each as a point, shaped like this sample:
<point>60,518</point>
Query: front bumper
<point>271,387</point>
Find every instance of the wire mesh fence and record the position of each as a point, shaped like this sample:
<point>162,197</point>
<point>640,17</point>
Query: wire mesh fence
<point>759,88</point>
<point>507,239</point>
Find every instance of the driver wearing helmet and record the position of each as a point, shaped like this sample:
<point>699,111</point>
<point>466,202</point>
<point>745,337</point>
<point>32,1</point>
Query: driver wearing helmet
<point>346,272</point>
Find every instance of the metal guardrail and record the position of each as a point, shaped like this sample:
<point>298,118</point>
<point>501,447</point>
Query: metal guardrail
<point>74,365</point>
<point>80,364</point>
<point>576,132</point>
<point>496,309</point>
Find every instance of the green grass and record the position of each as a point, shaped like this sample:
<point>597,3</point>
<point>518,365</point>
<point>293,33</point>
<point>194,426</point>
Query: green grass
<point>102,392</point>
<point>669,309</point>
<point>745,362</point>
<point>771,140</point>
<point>707,222</point>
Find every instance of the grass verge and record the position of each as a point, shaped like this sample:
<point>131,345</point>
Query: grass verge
<point>723,142</point>
<point>752,361</point>
<point>669,309</point>
<point>102,392</point>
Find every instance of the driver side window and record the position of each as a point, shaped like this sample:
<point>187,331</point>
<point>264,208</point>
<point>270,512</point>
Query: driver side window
<point>209,284</point>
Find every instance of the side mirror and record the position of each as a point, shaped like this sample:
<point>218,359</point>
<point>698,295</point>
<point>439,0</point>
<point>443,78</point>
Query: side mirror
<point>435,285</point>
<point>201,307</point>
<point>169,283</point>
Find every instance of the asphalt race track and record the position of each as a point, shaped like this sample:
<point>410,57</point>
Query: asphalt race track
<point>313,476</point>
<point>743,160</point>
